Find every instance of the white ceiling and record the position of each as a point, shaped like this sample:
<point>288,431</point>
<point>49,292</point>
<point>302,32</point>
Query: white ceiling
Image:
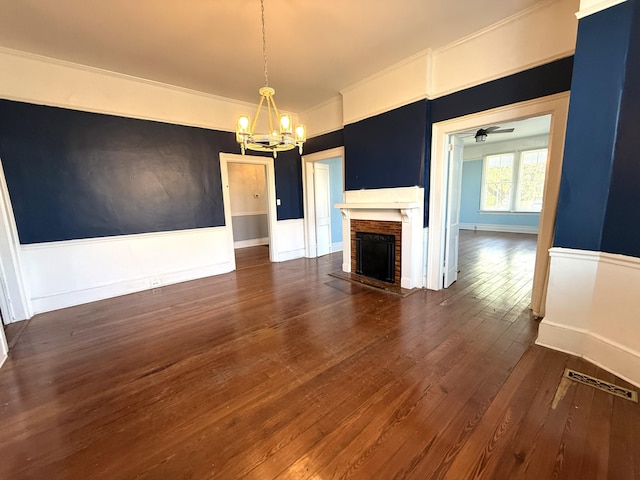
<point>315,48</point>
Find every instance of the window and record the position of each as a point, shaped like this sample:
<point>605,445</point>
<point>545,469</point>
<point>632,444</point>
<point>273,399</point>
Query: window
<point>514,182</point>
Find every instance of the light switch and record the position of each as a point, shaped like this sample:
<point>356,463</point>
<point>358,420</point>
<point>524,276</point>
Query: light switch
<point>278,201</point>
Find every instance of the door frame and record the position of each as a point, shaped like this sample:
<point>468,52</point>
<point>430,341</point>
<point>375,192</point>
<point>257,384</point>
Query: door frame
<point>272,216</point>
<point>308,195</point>
<point>557,106</point>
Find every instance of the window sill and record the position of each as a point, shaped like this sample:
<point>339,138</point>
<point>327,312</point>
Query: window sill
<point>505,212</point>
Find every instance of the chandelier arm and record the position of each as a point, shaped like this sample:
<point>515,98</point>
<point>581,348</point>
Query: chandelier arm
<point>269,104</point>
<point>255,118</point>
<point>275,109</point>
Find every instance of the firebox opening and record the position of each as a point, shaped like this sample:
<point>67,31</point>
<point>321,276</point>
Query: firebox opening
<point>375,256</point>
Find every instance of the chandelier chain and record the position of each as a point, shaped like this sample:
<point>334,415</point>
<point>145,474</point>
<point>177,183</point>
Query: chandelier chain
<point>264,46</point>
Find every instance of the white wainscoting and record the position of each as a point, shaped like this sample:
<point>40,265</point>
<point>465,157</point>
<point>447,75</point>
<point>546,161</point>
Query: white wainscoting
<point>62,274</point>
<point>486,227</point>
<point>290,239</point>
<point>593,309</point>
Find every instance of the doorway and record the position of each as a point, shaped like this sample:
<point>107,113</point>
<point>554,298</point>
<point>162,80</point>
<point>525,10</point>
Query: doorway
<point>323,187</point>
<point>556,106</point>
<point>248,205</point>
<point>496,182</point>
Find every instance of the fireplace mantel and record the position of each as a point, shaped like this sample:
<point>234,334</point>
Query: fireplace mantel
<point>401,204</point>
<point>379,205</point>
<point>404,208</point>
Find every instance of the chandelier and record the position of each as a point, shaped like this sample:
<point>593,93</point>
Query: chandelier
<point>282,136</point>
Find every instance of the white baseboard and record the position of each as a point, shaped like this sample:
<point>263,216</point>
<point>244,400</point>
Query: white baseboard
<point>336,247</point>
<point>603,352</point>
<point>254,242</point>
<point>3,358</point>
<point>488,227</point>
<point>592,310</point>
<point>290,255</point>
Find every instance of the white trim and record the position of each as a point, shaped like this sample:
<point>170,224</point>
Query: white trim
<point>226,158</point>
<point>121,76</point>
<point>336,247</point>
<point>600,257</point>
<point>487,227</point>
<point>291,244</point>
<point>426,53</point>
<point>62,274</point>
<point>494,26</point>
<point>248,214</point>
<point>114,238</point>
<point>14,295</point>
<point>290,255</point>
<point>4,346</point>
<point>557,105</point>
<point>308,195</point>
<point>400,204</point>
<point>589,7</point>
<point>387,108</point>
<point>578,341</point>
<point>592,309</point>
<point>252,242</point>
<point>63,299</point>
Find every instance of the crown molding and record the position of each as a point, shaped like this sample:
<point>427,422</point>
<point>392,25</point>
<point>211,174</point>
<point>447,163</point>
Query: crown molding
<point>501,74</point>
<point>123,76</point>
<point>589,7</point>
<point>494,26</point>
<point>423,53</point>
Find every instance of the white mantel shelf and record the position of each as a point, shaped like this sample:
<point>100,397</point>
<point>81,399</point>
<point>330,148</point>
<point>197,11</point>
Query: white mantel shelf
<point>379,206</point>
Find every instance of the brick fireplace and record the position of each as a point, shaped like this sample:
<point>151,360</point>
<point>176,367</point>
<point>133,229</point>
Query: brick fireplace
<point>388,211</point>
<point>380,227</point>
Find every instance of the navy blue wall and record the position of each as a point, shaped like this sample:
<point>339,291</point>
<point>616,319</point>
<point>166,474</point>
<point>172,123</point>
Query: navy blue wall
<point>394,149</point>
<point>537,82</point>
<point>288,167</point>
<point>323,142</point>
<point>596,94</point>
<point>387,150</point>
<point>621,233</point>
<point>75,174</point>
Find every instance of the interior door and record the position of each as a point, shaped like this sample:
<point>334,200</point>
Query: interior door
<point>452,227</point>
<point>323,208</point>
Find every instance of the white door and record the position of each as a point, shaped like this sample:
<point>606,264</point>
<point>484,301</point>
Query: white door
<point>452,227</point>
<point>323,208</point>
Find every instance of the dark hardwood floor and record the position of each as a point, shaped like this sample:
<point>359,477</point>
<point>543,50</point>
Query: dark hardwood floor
<point>281,371</point>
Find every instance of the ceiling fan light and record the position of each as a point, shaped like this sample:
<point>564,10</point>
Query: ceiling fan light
<point>481,138</point>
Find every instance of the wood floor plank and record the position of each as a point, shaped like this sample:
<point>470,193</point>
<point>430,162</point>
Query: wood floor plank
<point>280,371</point>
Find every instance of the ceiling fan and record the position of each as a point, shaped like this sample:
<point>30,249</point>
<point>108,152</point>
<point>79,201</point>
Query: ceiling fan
<point>481,134</point>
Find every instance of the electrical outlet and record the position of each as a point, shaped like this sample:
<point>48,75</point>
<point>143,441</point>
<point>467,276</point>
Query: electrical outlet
<point>154,283</point>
